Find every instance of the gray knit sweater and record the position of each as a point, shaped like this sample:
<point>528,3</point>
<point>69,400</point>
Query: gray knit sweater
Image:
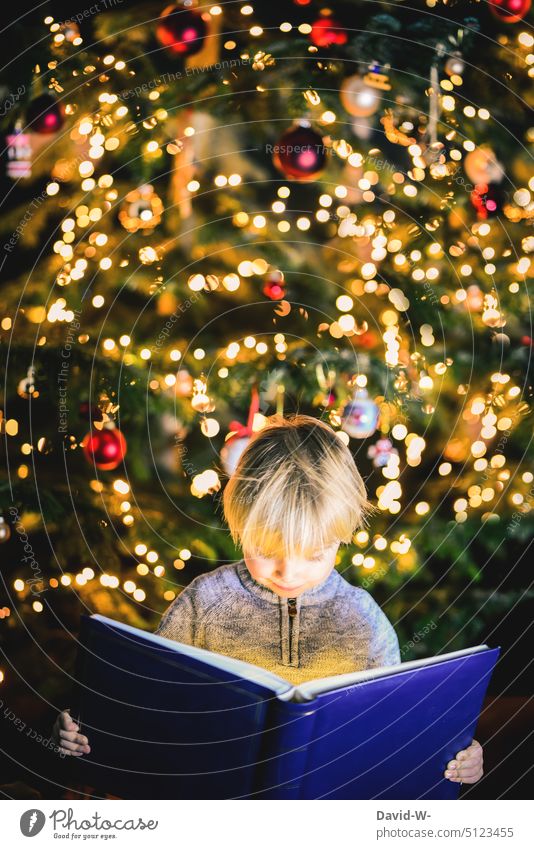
<point>335,627</point>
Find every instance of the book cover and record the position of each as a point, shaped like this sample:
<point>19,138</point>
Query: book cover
<point>166,720</point>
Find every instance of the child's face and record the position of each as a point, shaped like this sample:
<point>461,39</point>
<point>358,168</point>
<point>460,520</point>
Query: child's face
<point>290,577</point>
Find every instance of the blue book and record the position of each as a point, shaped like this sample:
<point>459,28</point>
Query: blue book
<point>171,721</point>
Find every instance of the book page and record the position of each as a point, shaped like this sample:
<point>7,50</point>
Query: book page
<point>310,689</point>
<point>238,668</point>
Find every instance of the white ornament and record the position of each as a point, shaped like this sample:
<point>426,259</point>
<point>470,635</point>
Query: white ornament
<point>231,453</point>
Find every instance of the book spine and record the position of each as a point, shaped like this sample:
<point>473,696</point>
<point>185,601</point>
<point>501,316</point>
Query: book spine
<point>281,765</point>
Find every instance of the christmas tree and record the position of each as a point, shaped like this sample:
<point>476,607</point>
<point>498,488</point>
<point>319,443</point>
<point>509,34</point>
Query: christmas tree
<point>215,213</point>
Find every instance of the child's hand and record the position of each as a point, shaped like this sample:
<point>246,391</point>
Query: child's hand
<point>467,765</point>
<point>66,736</point>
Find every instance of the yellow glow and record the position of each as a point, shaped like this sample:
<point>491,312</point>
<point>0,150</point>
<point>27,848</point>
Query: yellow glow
<point>121,486</point>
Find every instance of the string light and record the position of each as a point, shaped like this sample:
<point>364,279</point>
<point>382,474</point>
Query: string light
<point>379,241</point>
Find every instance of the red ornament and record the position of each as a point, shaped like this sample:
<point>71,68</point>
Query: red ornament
<point>367,339</point>
<point>45,115</point>
<point>300,153</point>
<point>509,11</point>
<point>182,31</point>
<point>274,286</point>
<point>104,448</point>
<point>326,32</point>
<point>487,198</point>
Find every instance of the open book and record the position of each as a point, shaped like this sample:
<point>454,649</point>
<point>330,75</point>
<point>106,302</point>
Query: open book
<point>167,720</point>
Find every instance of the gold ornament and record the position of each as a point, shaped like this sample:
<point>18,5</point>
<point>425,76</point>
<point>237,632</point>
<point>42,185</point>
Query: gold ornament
<point>71,32</point>
<point>26,387</point>
<point>492,316</point>
<point>167,303</point>
<point>377,80</point>
<point>392,133</point>
<point>359,97</point>
<point>184,383</point>
<point>142,210</point>
<point>481,166</point>
<point>474,300</point>
<point>201,402</point>
<point>455,65</point>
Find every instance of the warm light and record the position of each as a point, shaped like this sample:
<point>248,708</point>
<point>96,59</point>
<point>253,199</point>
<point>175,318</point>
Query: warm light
<point>210,427</point>
<point>399,431</point>
<point>121,486</point>
<point>344,303</point>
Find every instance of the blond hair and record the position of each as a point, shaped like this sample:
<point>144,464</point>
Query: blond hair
<point>296,490</point>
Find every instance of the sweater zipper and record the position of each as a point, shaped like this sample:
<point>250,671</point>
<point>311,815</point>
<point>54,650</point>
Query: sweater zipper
<point>292,611</point>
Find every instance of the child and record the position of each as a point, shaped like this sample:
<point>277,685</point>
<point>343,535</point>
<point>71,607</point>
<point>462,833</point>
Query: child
<point>295,495</point>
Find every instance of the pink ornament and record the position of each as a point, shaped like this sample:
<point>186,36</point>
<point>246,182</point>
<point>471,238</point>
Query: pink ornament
<point>273,287</point>
<point>45,115</point>
<point>382,452</point>
<point>19,155</point>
